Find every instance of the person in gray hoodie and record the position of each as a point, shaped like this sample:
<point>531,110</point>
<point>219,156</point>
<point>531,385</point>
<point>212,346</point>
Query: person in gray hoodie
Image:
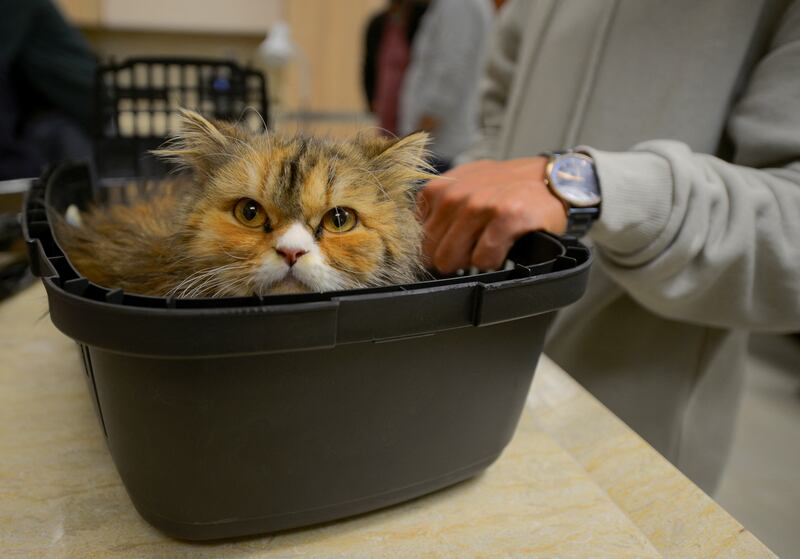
<point>680,123</point>
<point>440,87</point>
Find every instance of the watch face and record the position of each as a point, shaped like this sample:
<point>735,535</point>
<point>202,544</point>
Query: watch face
<point>573,177</point>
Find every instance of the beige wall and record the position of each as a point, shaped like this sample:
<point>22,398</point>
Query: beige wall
<point>124,44</point>
<point>332,35</point>
<point>81,12</point>
<point>223,16</point>
<point>329,32</point>
<point>228,16</point>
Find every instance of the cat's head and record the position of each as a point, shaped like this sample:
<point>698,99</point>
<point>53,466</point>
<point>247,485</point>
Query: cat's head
<point>281,215</point>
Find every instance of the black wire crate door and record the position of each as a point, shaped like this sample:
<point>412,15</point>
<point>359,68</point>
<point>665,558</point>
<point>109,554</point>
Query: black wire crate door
<point>137,104</point>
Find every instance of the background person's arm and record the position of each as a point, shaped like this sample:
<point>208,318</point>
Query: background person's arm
<point>495,87</point>
<point>52,56</point>
<point>688,235</point>
<point>456,48</point>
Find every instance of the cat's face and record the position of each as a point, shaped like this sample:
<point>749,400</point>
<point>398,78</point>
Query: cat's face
<point>273,215</point>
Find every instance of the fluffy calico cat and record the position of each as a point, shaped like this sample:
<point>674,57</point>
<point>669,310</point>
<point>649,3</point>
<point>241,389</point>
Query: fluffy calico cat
<point>263,215</point>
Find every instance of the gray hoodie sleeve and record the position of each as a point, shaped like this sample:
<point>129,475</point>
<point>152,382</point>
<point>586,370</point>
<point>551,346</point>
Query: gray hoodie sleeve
<point>698,239</point>
<point>453,50</point>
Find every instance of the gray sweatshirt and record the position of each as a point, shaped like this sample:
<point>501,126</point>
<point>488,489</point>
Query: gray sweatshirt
<point>443,75</point>
<point>691,110</point>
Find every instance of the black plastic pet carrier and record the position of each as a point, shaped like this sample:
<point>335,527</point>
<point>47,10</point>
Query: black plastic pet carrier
<point>235,416</point>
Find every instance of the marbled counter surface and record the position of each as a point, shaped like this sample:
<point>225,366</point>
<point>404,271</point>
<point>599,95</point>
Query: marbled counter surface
<point>574,482</point>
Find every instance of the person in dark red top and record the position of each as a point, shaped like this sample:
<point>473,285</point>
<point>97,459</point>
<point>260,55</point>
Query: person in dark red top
<point>386,54</point>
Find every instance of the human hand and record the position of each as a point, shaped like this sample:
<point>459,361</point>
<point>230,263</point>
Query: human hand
<point>428,123</point>
<point>474,213</point>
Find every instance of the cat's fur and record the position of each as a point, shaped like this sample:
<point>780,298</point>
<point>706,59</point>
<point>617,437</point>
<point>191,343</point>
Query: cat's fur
<point>190,244</point>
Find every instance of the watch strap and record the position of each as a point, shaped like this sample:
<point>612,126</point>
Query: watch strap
<point>580,220</point>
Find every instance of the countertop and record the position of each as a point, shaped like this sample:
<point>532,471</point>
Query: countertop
<point>574,481</point>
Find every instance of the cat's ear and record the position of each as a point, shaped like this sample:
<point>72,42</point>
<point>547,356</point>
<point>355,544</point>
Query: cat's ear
<point>199,143</point>
<point>401,163</point>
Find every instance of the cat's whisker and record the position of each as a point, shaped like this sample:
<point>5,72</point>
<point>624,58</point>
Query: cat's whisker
<point>381,131</point>
<point>228,254</point>
<point>199,274</point>
<point>197,281</point>
<point>378,183</point>
<point>188,287</point>
<point>231,288</point>
<point>241,286</point>
<point>223,154</point>
<point>348,270</point>
<point>215,283</point>
<point>250,108</point>
<point>244,144</point>
<point>205,288</point>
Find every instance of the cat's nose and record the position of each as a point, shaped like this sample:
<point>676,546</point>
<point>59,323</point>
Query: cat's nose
<point>291,254</point>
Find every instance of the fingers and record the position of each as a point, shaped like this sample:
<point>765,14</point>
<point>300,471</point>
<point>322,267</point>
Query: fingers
<point>442,199</point>
<point>453,251</point>
<point>428,196</point>
<point>423,206</point>
<point>521,211</point>
<point>471,214</point>
<point>466,227</point>
<point>485,229</point>
<point>493,245</point>
<point>442,212</point>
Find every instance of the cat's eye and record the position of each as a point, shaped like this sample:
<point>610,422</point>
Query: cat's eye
<point>340,220</point>
<point>250,213</point>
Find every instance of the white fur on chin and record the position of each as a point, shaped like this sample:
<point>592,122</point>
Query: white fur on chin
<point>310,273</point>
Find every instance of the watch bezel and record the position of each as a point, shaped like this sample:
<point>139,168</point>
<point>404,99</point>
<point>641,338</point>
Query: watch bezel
<point>570,203</point>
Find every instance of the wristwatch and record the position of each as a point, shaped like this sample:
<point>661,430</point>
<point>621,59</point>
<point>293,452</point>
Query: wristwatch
<point>572,178</point>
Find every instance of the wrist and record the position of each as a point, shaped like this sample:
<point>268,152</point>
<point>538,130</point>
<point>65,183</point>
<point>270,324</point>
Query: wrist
<point>552,212</point>
<point>544,210</point>
<point>428,123</point>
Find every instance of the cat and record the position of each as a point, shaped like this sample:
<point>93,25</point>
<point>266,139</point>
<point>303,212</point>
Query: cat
<point>263,215</point>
